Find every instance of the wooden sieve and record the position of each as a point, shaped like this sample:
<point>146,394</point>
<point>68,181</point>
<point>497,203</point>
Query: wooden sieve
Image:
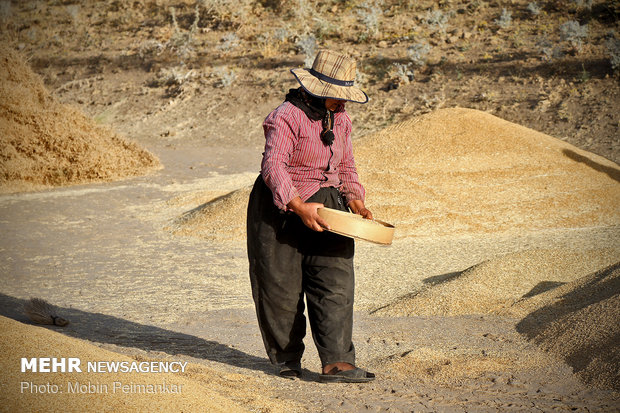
<point>354,226</point>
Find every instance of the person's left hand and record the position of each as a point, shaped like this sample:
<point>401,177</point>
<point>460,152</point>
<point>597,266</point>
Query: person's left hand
<point>365,213</point>
<point>357,206</point>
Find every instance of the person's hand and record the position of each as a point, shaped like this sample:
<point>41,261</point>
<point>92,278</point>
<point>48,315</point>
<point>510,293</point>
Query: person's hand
<point>307,211</point>
<point>365,213</point>
<point>357,206</point>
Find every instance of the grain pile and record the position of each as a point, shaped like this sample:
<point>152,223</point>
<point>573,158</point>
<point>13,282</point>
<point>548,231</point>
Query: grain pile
<point>45,143</point>
<point>448,366</point>
<point>579,322</point>
<point>458,171</point>
<point>202,389</point>
<point>502,285</point>
<point>222,218</point>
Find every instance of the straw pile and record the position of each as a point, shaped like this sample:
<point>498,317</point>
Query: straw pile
<point>459,171</point>
<point>45,143</point>
<point>202,389</point>
<point>579,322</point>
<point>502,285</point>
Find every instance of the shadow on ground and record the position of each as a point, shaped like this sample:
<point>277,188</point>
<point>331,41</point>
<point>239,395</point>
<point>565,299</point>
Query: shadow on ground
<point>102,328</point>
<point>613,173</point>
<point>440,279</point>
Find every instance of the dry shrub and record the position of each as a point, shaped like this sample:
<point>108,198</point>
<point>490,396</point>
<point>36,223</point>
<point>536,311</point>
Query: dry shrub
<point>45,143</point>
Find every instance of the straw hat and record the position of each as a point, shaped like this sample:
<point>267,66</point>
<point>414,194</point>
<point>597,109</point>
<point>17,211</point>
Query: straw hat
<point>332,76</point>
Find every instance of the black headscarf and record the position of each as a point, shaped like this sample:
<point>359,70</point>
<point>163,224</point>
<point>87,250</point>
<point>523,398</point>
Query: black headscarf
<point>315,109</point>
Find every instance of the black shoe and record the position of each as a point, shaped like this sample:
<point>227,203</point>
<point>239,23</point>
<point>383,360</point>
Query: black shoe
<point>356,375</point>
<point>290,369</point>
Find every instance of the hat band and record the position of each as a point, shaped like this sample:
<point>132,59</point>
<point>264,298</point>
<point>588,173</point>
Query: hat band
<point>329,79</point>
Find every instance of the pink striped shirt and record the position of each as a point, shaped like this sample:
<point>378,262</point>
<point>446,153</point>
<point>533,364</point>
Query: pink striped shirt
<point>297,163</point>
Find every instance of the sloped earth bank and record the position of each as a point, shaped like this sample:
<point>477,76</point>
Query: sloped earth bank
<point>126,285</point>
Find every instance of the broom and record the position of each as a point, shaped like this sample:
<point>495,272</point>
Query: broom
<point>42,312</point>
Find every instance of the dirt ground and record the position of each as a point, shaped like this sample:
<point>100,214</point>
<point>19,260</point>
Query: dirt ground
<point>101,252</point>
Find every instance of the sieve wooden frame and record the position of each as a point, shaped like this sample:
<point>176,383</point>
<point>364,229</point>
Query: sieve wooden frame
<point>354,226</point>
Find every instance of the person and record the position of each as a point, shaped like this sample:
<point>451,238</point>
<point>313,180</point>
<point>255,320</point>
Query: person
<point>307,164</point>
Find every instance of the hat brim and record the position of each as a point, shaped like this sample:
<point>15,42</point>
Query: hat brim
<point>319,88</point>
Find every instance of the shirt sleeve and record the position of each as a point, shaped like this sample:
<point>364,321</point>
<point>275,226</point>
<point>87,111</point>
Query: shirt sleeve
<point>280,140</point>
<point>351,187</point>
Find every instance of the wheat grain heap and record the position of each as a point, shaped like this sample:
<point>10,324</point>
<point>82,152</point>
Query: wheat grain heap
<point>461,170</point>
<point>45,143</point>
<point>222,218</point>
<point>579,322</point>
<point>507,285</point>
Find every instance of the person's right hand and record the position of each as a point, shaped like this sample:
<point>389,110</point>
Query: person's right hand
<point>307,211</point>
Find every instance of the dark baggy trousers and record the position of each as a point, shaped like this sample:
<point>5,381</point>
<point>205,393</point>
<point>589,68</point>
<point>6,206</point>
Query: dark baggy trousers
<point>288,260</point>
